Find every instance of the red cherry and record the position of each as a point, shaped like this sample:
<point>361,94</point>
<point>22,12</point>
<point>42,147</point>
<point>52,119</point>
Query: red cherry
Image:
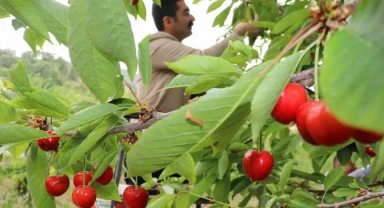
<point>324,128</point>
<point>79,177</point>
<point>48,144</point>
<point>135,198</point>
<point>292,97</point>
<point>301,115</point>
<point>57,185</point>
<point>106,177</point>
<point>366,137</point>
<point>370,151</point>
<point>42,143</point>
<point>84,196</point>
<point>258,164</point>
<point>134,2</point>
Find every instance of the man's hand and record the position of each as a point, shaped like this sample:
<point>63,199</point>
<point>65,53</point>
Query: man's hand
<point>243,28</point>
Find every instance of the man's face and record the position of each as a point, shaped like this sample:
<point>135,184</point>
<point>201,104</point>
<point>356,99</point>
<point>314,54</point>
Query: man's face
<point>183,24</point>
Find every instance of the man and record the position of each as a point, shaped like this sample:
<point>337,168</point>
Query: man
<point>174,23</point>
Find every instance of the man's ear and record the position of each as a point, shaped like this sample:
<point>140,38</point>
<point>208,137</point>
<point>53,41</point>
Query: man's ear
<point>167,21</point>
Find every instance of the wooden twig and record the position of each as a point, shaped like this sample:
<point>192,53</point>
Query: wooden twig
<point>366,197</point>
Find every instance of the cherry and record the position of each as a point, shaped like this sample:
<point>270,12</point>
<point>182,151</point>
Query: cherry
<point>366,137</point>
<point>57,185</point>
<point>258,164</point>
<point>301,114</point>
<point>292,97</point>
<point>79,177</point>
<point>134,2</point>
<point>135,198</point>
<point>370,151</point>
<point>84,196</point>
<point>106,177</point>
<point>324,128</point>
<point>48,144</point>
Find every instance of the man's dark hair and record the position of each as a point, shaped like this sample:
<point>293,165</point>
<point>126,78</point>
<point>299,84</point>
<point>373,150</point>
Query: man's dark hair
<point>168,8</point>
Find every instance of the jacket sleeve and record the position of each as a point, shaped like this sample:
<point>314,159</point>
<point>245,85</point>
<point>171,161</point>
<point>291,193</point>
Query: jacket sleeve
<point>173,50</point>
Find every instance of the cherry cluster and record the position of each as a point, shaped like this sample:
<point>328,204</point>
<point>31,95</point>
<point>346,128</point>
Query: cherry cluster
<point>84,196</point>
<point>315,122</point>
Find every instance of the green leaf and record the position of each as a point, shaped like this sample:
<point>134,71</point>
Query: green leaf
<point>269,92</point>
<point>333,176</point>
<point>55,17</point>
<point>145,63</point>
<point>13,133</point>
<point>205,82</point>
<point>131,9</point>
<point>158,2</point>
<point>107,192</point>
<point>16,24</point>
<point>3,13</point>
<point>344,192</point>
<point>72,144</point>
<point>162,202</point>
<point>377,164</point>
<point>80,105</point>
<point>19,75</point>
<point>115,39</point>
<point>181,200</point>
<point>37,172</point>
<point>181,80</point>
<point>240,47</point>
<point>223,164</point>
<point>295,6</point>
<point>142,10</point>
<point>203,166</point>
<point>28,13</point>
<point>184,166</point>
<point>344,155</point>
<point>237,147</point>
<point>201,187</point>
<point>215,5</point>
<point>31,39</point>
<point>97,72</point>
<point>222,188</point>
<point>222,111</point>
<point>318,151</point>
<point>98,133</point>
<point>104,163</point>
<point>18,149</point>
<point>85,116</point>
<point>7,113</point>
<point>285,173</point>
<point>199,65</point>
<point>361,91</point>
<point>41,103</point>
<point>271,202</point>
<point>220,19</point>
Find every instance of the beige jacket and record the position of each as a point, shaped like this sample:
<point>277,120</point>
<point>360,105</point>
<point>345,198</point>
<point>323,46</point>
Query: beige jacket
<point>163,47</point>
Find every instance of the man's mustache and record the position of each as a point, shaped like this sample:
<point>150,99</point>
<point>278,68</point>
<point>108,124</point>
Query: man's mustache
<point>190,24</point>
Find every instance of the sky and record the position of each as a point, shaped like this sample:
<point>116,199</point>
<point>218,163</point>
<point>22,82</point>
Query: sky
<point>203,35</point>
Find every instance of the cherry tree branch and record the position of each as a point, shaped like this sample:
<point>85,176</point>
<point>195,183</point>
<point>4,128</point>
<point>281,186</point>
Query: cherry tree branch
<point>366,197</point>
<point>305,77</point>
<point>132,127</point>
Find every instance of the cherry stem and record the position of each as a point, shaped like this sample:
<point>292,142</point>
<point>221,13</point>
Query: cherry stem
<point>317,67</point>
<point>50,124</point>
<point>136,179</point>
<point>133,93</point>
<point>206,198</point>
<point>84,170</point>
